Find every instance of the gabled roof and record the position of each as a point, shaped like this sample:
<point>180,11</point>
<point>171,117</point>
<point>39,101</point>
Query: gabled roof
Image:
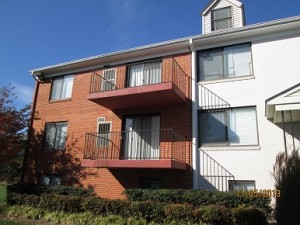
<point>290,95</point>
<point>214,2</point>
<point>287,100</point>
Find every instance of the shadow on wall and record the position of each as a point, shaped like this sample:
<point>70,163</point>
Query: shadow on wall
<point>173,179</point>
<point>291,131</point>
<point>64,163</point>
<point>213,176</point>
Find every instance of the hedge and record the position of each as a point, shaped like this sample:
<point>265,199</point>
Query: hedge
<point>33,189</point>
<point>148,210</point>
<point>198,198</point>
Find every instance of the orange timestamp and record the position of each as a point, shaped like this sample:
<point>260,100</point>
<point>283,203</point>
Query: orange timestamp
<point>259,193</point>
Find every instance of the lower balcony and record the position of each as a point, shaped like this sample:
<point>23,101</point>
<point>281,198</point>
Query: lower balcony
<point>156,149</point>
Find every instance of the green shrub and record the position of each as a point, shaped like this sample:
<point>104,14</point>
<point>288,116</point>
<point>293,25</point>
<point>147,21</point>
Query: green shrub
<point>14,198</point>
<point>24,212</point>
<point>33,189</point>
<point>197,197</point>
<point>118,207</point>
<point>178,212</point>
<point>148,210</point>
<point>54,202</point>
<point>215,215</point>
<point>250,216</point>
<point>286,173</point>
<point>95,205</point>
<point>31,200</point>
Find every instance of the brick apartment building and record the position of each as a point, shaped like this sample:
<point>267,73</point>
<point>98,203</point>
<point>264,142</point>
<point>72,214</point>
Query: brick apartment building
<point>161,116</point>
<point>125,123</point>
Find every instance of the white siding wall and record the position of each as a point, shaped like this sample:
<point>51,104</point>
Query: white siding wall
<point>276,68</point>
<point>237,15</point>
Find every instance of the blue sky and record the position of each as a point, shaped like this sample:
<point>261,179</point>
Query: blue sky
<point>38,33</point>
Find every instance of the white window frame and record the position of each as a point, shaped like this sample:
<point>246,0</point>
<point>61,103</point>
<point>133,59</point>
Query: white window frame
<point>109,82</point>
<point>224,73</point>
<point>215,21</point>
<point>65,90</point>
<point>47,146</point>
<point>227,127</point>
<point>235,185</point>
<point>101,143</point>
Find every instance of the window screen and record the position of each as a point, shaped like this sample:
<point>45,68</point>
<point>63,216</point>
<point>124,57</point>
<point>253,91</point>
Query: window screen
<point>144,73</point>
<point>55,136</point>
<point>221,18</point>
<point>108,81</point>
<point>62,87</point>
<point>235,185</point>
<point>226,62</point>
<point>104,129</point>
<point>235,126</point>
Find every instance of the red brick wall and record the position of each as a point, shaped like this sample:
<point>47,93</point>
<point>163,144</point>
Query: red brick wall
<point>81,115</point>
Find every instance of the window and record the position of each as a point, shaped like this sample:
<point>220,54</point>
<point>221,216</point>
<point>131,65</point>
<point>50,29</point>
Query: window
<point>236,126</point>
<point>150,183</point>
<point>221,18</point>
<point>227,62</point>
<point>108,81</point>
<point>51,180</point>
<point>62,87</point>
<point>55,136</point>
<point>104,129</point>
<point>144,73</point>
<point>235,185</point>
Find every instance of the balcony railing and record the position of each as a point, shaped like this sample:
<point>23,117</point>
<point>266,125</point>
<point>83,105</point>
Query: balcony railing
<point>170,71</point>
<point>136,145</point>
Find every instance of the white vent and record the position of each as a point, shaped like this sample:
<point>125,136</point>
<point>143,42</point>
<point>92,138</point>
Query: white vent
<point>100,119</point>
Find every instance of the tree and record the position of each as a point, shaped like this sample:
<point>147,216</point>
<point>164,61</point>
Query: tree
<point>13,132</point>
<point>286,173</point>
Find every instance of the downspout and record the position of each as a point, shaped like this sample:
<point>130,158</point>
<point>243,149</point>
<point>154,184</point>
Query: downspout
<point>30,129</point>
<point>195,151</point>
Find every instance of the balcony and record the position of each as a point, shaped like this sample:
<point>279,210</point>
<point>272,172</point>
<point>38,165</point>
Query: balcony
<point>146,84</point>
<point>148,149</point>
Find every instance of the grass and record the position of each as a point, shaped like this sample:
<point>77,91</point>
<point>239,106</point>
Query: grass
<point>2,195</point>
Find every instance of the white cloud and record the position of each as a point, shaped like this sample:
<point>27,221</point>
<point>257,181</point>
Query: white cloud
<point>23,92</point>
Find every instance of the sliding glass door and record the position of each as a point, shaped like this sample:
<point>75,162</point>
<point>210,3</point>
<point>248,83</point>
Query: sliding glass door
<point>144,73</point>
<point>141,137</point>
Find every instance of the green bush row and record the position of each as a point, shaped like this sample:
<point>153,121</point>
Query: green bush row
<point>149,211</point>
<point>33,189</point>
<point>198,198</point>
<point>86,218</point>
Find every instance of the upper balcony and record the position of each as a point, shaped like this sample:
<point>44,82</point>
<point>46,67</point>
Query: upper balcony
<point>156,149</point>
<point>145,84</point>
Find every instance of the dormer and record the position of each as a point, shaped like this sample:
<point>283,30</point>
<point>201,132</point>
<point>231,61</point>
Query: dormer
<point>221,15</point>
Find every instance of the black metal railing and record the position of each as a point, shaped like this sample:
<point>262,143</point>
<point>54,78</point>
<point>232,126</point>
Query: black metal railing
<point>100,83</point>
<point>170,71</point>
<point>136,145</point>
<point>179,77</point>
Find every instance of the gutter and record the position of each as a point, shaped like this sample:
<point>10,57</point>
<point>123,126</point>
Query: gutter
<point>195,152</point>
<point>30,129</point>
